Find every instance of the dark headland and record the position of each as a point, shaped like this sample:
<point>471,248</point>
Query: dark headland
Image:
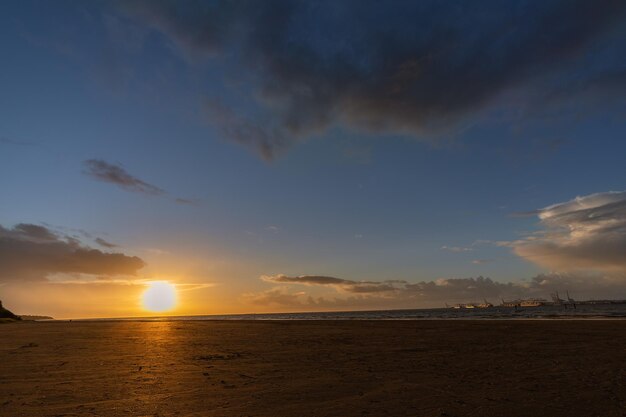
<point>6,314</point>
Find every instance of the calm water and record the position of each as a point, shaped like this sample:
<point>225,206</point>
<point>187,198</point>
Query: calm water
<point>543,312</point>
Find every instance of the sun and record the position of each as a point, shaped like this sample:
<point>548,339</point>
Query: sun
<point>160,296</point>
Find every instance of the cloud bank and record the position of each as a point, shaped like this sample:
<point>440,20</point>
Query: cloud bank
<point>451,287</point>
<point>411,68</point>
<point>588,232</point>
<point>31,252</point>
<point>351,294</point>
<point>383,293</point>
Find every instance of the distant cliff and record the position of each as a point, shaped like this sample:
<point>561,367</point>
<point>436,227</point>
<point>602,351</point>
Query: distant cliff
<point>28,317</point>
<point>6,314</point>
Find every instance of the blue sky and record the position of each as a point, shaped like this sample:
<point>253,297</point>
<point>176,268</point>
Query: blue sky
<point>297,152</point>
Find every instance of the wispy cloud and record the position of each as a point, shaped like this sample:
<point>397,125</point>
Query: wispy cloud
<point>457,249</point>
<point>17,142</point>
<point>115,174</point>
<point>187,201</point>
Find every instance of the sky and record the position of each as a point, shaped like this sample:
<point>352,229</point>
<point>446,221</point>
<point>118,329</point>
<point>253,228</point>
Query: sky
<point>310,155</point>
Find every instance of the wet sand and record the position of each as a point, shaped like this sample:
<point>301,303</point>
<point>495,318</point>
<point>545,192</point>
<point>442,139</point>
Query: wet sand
<point>331,368</point>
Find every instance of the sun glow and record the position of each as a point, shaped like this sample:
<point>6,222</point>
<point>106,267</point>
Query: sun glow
<point>160,296</point>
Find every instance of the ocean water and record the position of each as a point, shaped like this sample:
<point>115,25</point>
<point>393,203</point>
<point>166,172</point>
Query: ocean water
<point>588,311</point>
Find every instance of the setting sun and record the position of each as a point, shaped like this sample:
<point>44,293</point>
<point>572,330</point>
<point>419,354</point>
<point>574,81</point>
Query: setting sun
<point>160,296</point>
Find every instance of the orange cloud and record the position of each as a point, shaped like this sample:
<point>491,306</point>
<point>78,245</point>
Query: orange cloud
<point>588,232</point>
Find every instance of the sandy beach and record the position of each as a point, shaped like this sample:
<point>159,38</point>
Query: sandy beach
<point>330,368</point>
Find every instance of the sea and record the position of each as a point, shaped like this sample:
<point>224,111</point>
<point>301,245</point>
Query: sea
<point>583,311</point>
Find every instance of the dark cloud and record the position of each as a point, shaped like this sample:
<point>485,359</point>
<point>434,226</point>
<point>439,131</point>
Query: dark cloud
<point>33,231</point>
<point>265,137</point>
<point>401,68</point>
<point>305,279</point>
<point>343,284</point>
<point>105,244</point>
<point>598,90</point>
<point>115,174</point>
<point>587,232</point>
<point>32,252</point>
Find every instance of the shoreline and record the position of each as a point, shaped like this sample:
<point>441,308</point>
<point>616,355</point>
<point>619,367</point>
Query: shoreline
<point>496,313</point>
<point>168,319</point>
